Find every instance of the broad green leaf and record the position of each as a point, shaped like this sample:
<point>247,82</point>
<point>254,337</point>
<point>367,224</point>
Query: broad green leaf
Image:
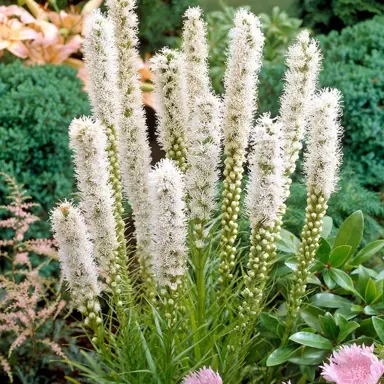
<point>310,314</point>
<point>312,279</point>
<point>351,231</point>
<point>342,279</point>
<point>291,263</point>
<point>367,328</point>
<point>378,324</point>
<point>327,279</point>
<point>288,242</point>
<point>329,300</point>
<point>346,330</point>
<point>324,251</point>
<point>328,324</point>
<point>307,356</point>
<point>370,292</point>
<point>327,226</point>
<point>308,372</point>
<point>340,320</point>
<point>280,356</point>
<point>271,323</point>
<point>363,279</point>
<point>311,340</point>
<point>367,252</point>
<point>339,255</point>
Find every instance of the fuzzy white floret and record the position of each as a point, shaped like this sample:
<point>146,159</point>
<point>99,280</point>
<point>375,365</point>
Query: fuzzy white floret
<point>168,223</point>
<point>204,143</point>
<point>303,62</point>
<point>243,65</point>
<point>133,145</point>
<point>75,252</point>
<point>88,142</point>
<point>265,186</point>
<point>170,92</point>
<point>100,58</point>
<point>323,155</point>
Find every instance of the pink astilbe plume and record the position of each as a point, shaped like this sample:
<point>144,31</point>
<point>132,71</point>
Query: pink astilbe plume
<point>353,365</point>
<point>203,376</point>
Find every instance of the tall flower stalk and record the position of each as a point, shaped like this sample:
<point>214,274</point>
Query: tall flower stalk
<point>263,202</point>
<point>321,165</point>
<point>169,232</point>
<point>170,90</point>
<point>244,62</point>
<point>100,59</point>
<point>132,140</point>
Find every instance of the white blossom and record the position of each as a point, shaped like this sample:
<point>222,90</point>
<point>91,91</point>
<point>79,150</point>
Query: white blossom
<point>100,58</point>
<point>170,92</point>
<point>323,155</point>
<point>203,158</point>
<point>133,146</point>
<point>168,222</point>
<point>265,185</point>
<point>75,253</point>
<point>88,141</point>
<point>196,50</point>
<point>303,62</point>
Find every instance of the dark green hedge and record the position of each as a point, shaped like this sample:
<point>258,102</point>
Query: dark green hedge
<point>37,103</point>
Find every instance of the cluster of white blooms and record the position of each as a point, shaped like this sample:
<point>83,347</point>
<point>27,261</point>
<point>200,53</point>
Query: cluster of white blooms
<point>203,159</point>
<point>303,61</point>
<point>265,186</point>
<point>88,141</point>
<point>170,92</point>
<point>100,57</point>
<point>76,257</point>
<point>196,50</point>
<point>168,223</point>
<point>244,62</point>
<point>133,146</point>
<point>321,164</point>
<point>323,155</point>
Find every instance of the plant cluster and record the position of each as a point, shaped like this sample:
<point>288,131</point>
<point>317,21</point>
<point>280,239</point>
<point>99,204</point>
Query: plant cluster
<point>189,295</point>
<point>37,104</point>
<point>31,304</point>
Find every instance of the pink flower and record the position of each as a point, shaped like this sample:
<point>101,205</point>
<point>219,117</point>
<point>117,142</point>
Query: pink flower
<point>204,376</point>
<point>353,365</point>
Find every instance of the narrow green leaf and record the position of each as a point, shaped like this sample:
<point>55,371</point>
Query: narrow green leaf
<point>280,356</point>
<point>331,330</point>
<point>367,252</point>
<point>327,226</point>
<point>342,279</point>
<point>363,279</point>
<point>370,292</point>
<point>311,340</point>
<point>324,251</point>
<point>351,231</point>
<point>328,280</point>
<point>340,255</point>
<point>346,330</point>
<point>378,324</point>
<point>329,300</point>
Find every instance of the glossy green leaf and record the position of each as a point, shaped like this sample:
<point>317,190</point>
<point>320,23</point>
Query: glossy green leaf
<point>308,372</point>
<point>310,314</point>
<point>288,242</point>
<point>351,231</point>
<point>327,226</point>
<point>280,356</point>
<point>328,324</point>
<point>271,323</point>
<point>339,255</point>
<point>330,300</point>
<point>323,251</point>
<point>307,356</point>
<point>367,328</point>
<point>342,279</point>
<point>362,279</point>
<point>370,292</point>
<point>346,330</point>
<point>378,324</point>
<point>328,280</point>
<point>367,252</point>
<point>312,340</point>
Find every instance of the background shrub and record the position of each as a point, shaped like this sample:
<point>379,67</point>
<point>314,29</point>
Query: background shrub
<point>37,105</point>
<point>326,15</point>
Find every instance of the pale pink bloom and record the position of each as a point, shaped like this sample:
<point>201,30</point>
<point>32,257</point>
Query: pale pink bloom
<point>353,365</point>
<point>204,376</point>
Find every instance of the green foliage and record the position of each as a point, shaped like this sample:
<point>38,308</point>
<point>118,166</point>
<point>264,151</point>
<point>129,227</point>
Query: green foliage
<point>160,22</point>
<point>279,30</point>
<point>354,63</point>
<point>351,195</point>
<point>326,15</point>
<point>37,105</point>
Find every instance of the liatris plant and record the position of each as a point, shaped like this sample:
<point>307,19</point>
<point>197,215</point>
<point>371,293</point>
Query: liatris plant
<point>190,294</point>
